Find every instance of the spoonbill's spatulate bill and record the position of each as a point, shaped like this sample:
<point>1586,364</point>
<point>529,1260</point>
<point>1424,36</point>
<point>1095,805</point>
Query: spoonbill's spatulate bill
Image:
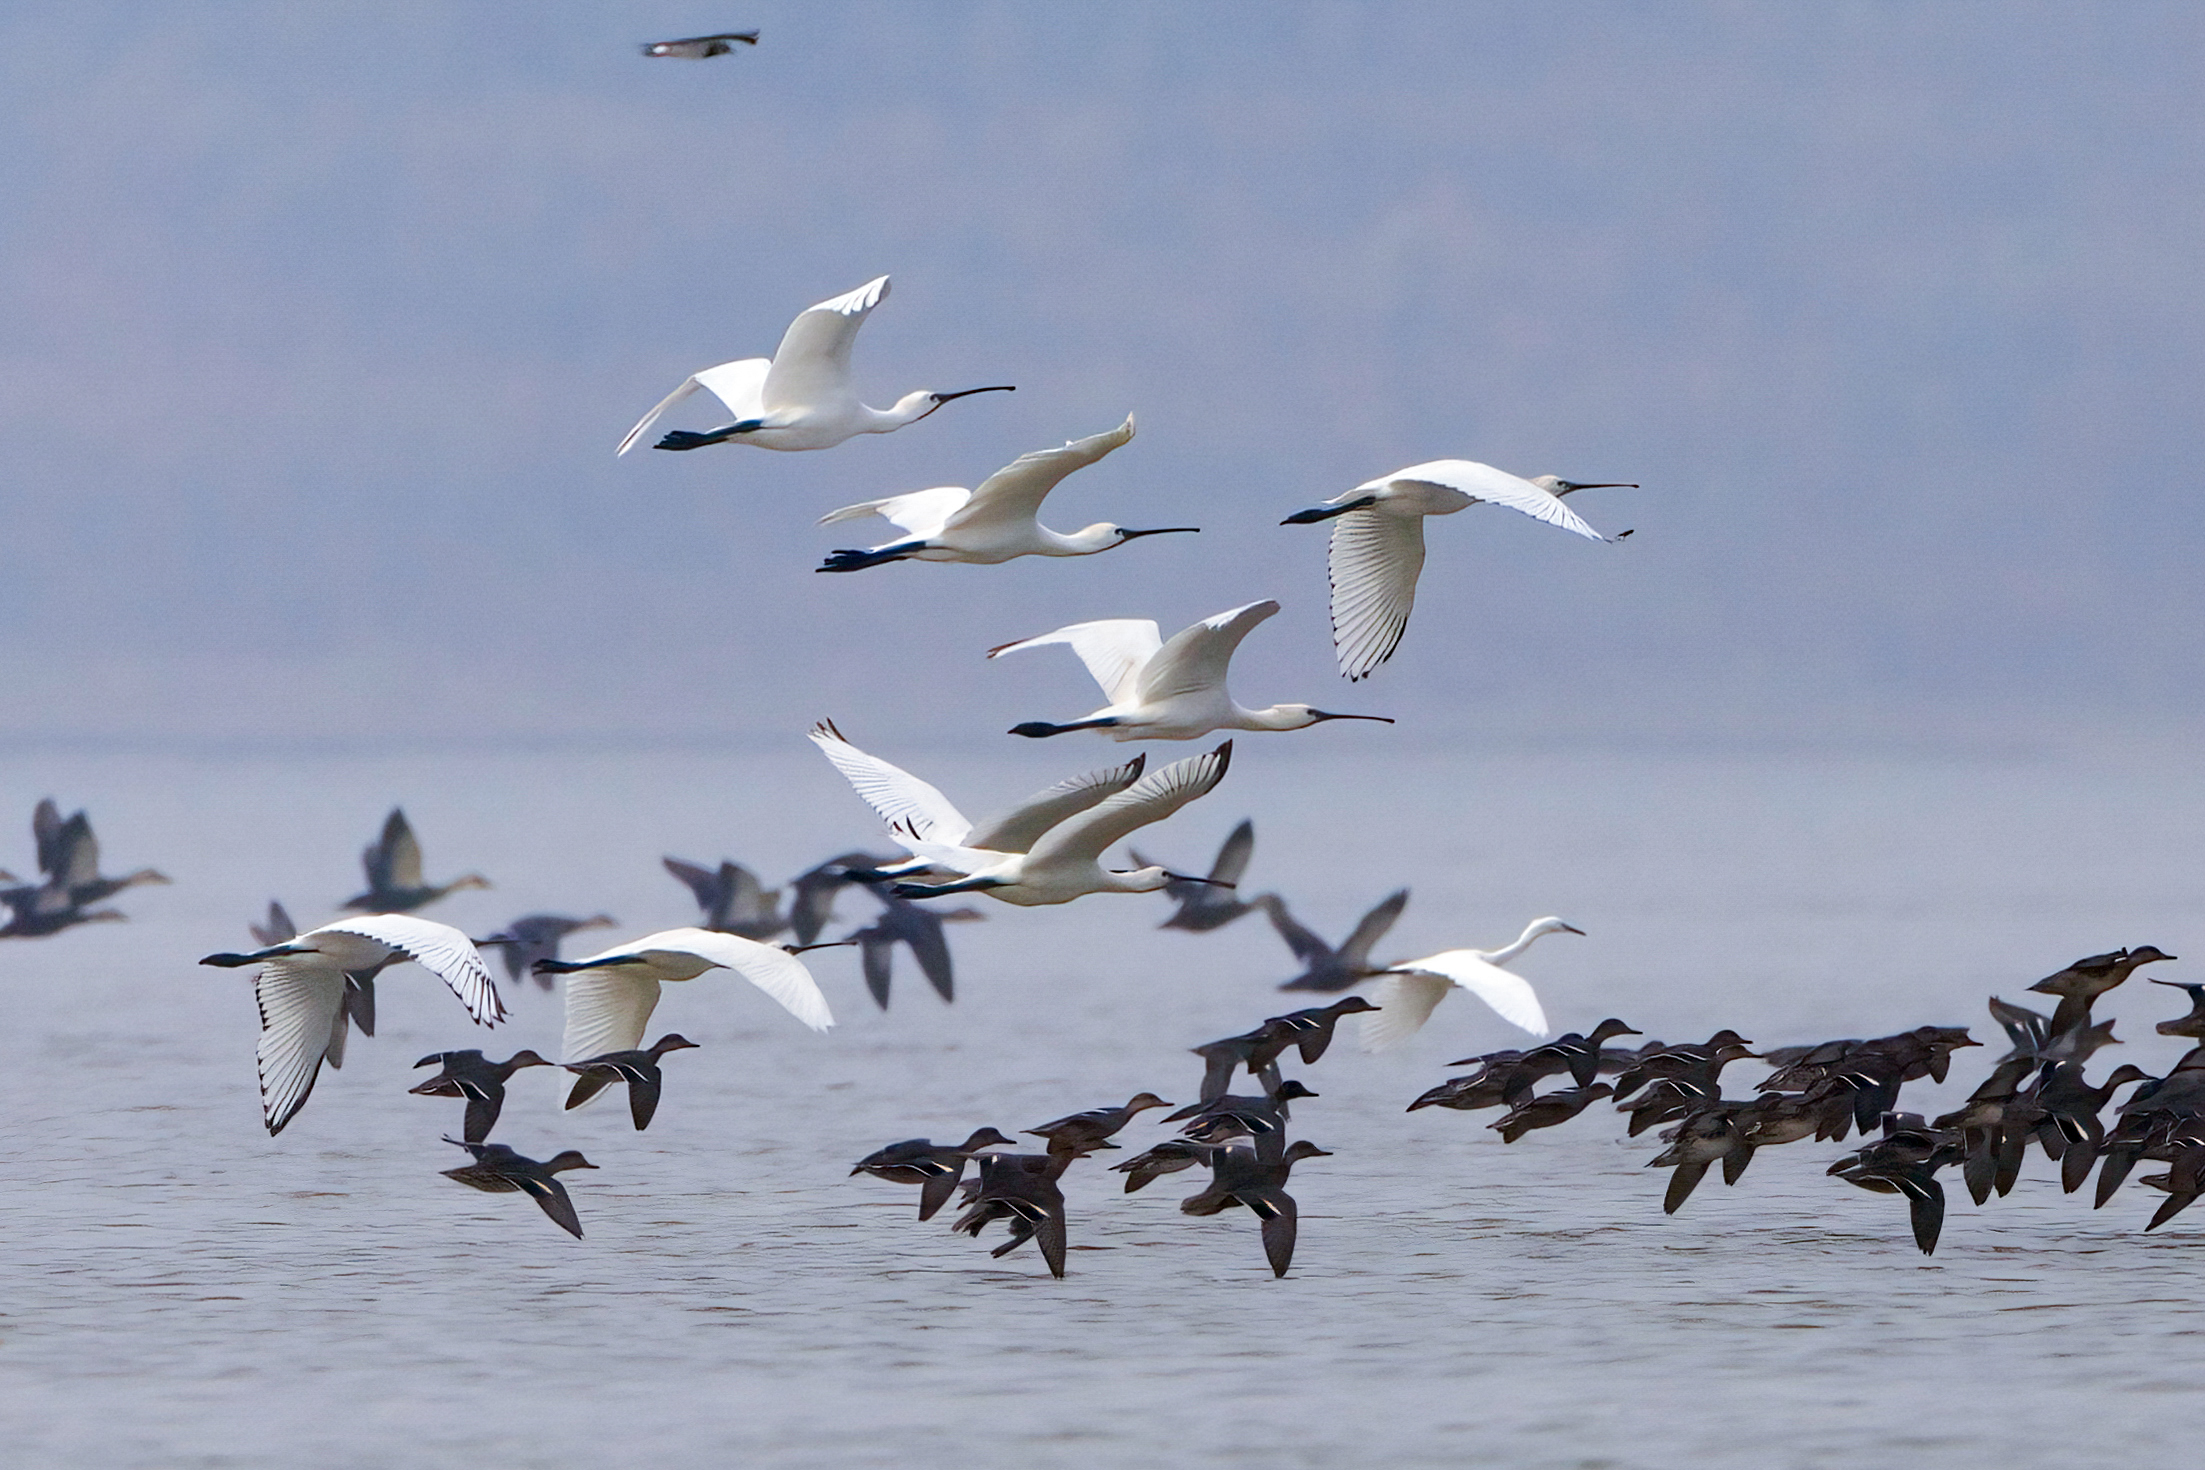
<point>1378,543</point>
<point>1168,691</point>
<point>700,48</point>
<point>610,996</point>
<point>1066,862</point>
<point>800,398</point>
<point>301,985</point>
<point>995,522</point>
<point>913,808</point>
<point>1412,989</point>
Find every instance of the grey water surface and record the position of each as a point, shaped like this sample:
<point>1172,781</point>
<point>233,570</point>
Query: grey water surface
<point>182,1291</point>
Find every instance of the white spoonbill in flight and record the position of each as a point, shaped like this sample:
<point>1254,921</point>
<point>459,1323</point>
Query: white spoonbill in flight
<point>1411,990</point>
<point>995,522</point>
<point>1378,546</point>
<point>800,398</point>
<point>1065,862</point>
<point>1168,691</point>
<point>610,996</point>
<point>301,989</point>
<point>913,808</point>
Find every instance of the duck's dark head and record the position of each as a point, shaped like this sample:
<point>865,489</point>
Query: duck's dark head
<point>1289,1089</point>
<point>986,1138</point>
<point>570,1159</point>
<point>672,1041</point>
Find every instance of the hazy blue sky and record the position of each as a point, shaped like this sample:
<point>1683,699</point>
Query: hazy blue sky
<point>318,325</point>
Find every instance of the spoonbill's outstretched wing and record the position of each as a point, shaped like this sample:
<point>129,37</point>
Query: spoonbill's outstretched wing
<point>1497,487</point>
<point>920,513</point>
<point>736,384</point>
<point>298,1006</point>
<point>1374,561</point>
<point>771,968</point>
<point>1410,991</point>
<point>1018,829</point>
<point>607,1010</point>
<point>1197,658</point>
<point>1015,492</point>
<point>300,996</point>
<point>902,799</point>
<point>1114,650</point>
<point>1405,1003</point>
<point>438,948</point>
<point>610,999</point>
<point>811,367</point>
<point>1151,799</point>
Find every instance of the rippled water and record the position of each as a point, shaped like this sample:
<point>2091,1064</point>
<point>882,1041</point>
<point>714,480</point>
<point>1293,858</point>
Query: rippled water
<point>182,1291</point>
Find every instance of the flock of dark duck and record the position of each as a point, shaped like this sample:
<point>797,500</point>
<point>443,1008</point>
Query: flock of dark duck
<point>2037,1094</point>
<point>315,987</point>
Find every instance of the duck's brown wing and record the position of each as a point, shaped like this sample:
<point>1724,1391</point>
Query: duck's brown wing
<point>1049,1235</point>
<point>938,1188</point>
<point>552,1195</point>
<point>1681,1184</point>
<point>1276,1209</point>
<point>482,1116</point>
<point>643,1091</point>
<point>879,956</point>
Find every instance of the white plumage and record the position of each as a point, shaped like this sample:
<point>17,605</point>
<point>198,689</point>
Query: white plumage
<point>1065,862</point>
<point>801,397</point>
<point>913,808</point>
<point>1409,992</point>
<point>994,523</point>
<point>610,996</point>
<point>301,986</point>
<point>1377,549</point>
<point>1168,691</point>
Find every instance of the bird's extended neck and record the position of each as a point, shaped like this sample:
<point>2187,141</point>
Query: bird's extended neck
<point>1277,717</point>
<point>1139,880</point>
<point>1524,941</point>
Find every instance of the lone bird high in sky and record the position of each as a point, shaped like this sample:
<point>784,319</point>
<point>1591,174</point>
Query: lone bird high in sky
<point>702,48</point>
